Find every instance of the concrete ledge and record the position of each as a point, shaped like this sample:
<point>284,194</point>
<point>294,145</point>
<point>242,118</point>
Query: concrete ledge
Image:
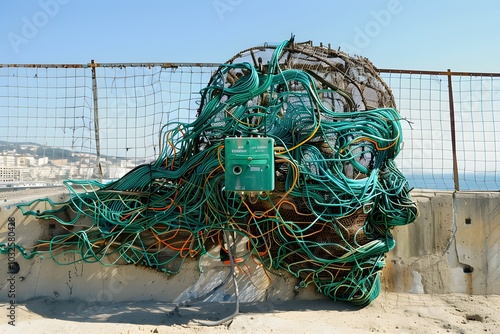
<point>452,247</point>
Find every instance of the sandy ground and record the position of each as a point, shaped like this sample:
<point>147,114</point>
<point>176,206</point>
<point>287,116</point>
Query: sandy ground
<point>389,313</point>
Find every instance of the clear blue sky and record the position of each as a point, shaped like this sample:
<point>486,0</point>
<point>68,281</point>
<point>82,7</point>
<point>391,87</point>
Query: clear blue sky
<point>408,34</point>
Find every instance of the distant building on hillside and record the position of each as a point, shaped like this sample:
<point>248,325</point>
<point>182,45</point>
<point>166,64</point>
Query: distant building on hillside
<point>10,174</point>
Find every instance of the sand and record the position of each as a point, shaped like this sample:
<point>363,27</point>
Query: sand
<point>389,313</point>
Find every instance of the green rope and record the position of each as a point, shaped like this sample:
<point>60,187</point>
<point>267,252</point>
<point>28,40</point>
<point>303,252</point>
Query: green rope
<point>160,213</point>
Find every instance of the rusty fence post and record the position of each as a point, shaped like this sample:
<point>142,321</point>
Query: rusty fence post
<point>96,119</point>
<point>453,134</point>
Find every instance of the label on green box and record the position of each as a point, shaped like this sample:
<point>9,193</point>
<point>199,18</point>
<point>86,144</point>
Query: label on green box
<point>249,164</point>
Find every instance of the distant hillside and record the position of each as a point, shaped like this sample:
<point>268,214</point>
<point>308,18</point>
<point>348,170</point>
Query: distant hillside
<point>44,151</point>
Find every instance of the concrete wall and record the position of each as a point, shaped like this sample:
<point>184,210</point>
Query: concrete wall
<point>452,247</point>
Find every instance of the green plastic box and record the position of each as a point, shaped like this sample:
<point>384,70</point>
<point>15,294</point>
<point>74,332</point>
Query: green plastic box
<point>249,164</point>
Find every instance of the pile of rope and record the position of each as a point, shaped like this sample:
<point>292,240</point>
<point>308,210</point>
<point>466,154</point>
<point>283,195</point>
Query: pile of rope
<point>338,192</point>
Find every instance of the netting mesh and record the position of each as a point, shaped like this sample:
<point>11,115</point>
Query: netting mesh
<point>48,106</point>
<point>477,125</point>
<point>134,103</point>
<point>95,121</point>
<point>49,113</point>
<point>427,158</point>
<point>350,82</point>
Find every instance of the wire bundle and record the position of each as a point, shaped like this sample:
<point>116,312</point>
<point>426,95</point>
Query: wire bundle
<point>338,192</point>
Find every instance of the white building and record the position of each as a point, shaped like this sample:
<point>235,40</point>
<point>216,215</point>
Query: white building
<point>10,174</point>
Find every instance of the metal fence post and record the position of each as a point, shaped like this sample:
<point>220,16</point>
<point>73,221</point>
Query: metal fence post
<point>96,119</point>
<point>453,135</point>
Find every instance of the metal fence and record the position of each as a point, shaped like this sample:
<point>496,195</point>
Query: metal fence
<point>451,141</point>
<point>100,120</point>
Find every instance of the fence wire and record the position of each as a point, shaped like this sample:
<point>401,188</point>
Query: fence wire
<point>89,121</point>
<point>477,120</point>
<point>101,120</point>
<point>135,102</point>
<point>49,106</point>
<point>427,157</point>
<point>427,160</point>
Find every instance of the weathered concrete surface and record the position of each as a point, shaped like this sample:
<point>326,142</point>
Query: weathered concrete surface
<point>95,283</point>
<point>453,246</point>
<point>477,242</point>
<point>419,260</point>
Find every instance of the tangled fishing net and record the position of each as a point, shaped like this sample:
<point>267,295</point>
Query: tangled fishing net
<point>337,190</point>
